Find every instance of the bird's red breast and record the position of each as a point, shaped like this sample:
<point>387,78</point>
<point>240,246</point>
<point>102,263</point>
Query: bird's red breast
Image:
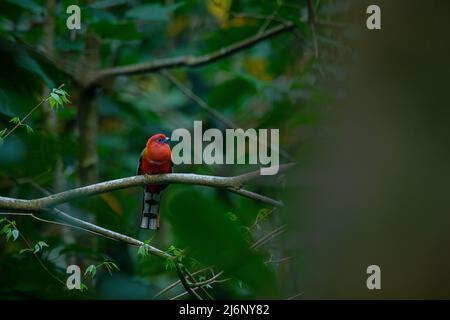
<point>156,159</point>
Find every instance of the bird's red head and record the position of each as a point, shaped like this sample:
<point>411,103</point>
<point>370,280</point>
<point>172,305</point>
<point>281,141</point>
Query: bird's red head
<point>158,148</point>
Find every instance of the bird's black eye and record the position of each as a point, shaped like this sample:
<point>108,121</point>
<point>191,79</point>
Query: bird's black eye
<point>159,140</point>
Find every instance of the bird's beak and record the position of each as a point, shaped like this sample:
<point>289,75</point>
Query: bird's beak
<point>166,140</point>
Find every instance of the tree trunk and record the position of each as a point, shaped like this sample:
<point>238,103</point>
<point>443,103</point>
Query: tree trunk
<point>88,116</point>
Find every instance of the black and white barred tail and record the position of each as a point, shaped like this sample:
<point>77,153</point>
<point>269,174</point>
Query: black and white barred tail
<point>150,210</point>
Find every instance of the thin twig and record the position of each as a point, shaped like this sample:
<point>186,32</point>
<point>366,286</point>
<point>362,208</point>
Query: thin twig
<point>268,20</point>
<point>190,61</point>
<point>71,226</point>
<point>191,95</point>
<point>274,18</point>
<point>183,294</point>
<point>21,121</point>
<point>90,227</point>
<point>268,237</point>
<point>257,16</point>
<point>46,192</point>
<point>256,196</point>
<point>37,257</point>
<point>206,282</point>
<point>295,296</point>
<point>312,23</point>
<point>109,233</point>
<point>278,260</point>
<point>164,290</point>
<point>194,283</point>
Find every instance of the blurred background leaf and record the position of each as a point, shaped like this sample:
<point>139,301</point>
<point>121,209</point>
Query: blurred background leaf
<point>273,84</point>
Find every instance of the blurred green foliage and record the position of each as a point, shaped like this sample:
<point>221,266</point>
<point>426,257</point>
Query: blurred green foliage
<point>273,84</point>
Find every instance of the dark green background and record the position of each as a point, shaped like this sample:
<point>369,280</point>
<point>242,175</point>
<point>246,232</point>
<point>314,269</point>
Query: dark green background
<point>366,122</point>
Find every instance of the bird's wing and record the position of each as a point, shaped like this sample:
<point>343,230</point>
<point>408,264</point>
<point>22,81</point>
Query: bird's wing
<point>140,162</point>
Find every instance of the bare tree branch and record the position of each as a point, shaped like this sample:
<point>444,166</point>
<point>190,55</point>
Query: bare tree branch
<point>86,226</point>
<point>268,237</point>
<point>191,61</point>
<point>191,95</point>
<point>46,204</point>
<point>257,16</point>
<point>233,184</point>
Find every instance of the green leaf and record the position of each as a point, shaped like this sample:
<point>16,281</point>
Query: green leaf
<point>213,239</point>
<point>64,99</point>
<point>43,244</point>
<point>232,216</point>
<point>175,252</point>
<point>25,250</point>
<point>3,132</point>
<point>264,213</point>
<point>111,266</point>
<point>170,264</point>
<point>148,241</point>
<point>6,228</point>
<point>62,94</point>
<point>83,287</point>
<point>52,102</point>
<point>15,234</point>
<point>15,120</point>
<point>39,246</point>
<point>59,92</point>
<point>29,129</point>
<point>57,99</point>
<point>142,251</point>
<point>91,271</point>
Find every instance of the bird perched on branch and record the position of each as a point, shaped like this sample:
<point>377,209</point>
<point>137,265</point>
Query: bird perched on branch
<point>155,159</point>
